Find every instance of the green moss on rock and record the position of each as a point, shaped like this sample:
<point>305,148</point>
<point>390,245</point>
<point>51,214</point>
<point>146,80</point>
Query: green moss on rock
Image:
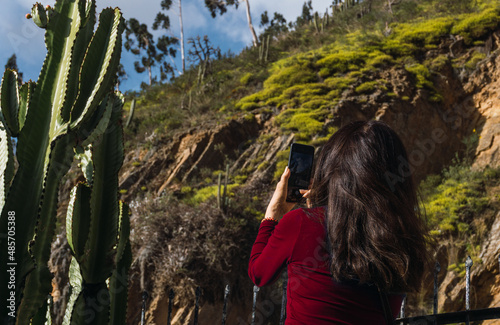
<point>474,60</point>
<point>476,25</point>
<point>422,74</point>
<point>341,62</point>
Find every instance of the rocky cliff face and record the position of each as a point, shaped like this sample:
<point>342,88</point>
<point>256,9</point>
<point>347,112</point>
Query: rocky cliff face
<point>171,162</point>
<point>483,88</point>
<point>484,85</point>
<point>432,131</point>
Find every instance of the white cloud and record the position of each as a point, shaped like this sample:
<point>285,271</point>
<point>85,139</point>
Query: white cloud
<point>195,15</point>
<point>143,10</point>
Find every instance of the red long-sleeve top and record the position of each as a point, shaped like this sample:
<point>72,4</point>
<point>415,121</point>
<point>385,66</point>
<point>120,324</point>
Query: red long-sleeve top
<point>313,297</point>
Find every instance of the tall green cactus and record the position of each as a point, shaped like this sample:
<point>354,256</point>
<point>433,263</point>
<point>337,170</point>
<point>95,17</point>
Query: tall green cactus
<point>97,228</point>
<point>63,109</point>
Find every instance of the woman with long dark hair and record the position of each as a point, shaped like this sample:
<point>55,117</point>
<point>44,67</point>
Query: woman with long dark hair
<point>362,243</point>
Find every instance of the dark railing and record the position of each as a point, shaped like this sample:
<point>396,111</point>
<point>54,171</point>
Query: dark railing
<point>466,316</point>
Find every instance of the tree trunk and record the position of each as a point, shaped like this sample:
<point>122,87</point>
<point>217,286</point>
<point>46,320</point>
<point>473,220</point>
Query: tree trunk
<point>252,30</point>
<point>149,72</point>
<point>182,37</point>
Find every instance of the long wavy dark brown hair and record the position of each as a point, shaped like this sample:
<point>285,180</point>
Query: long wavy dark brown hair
<point>375,231</point>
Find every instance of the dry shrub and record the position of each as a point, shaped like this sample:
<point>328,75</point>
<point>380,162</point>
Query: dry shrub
<point>179,247</point>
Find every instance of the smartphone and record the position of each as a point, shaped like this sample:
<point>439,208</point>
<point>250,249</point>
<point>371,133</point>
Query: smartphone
<point>300,164</point>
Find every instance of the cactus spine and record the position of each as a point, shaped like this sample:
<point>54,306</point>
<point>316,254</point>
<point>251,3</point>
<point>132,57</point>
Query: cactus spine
<point>64,108</point>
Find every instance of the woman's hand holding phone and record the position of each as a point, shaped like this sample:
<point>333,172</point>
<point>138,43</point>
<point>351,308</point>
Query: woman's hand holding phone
<point>278,205</point>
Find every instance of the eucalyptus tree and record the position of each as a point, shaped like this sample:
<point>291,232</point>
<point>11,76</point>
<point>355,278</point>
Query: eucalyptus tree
<point>165,43</point>
<point>274,26</point>
<point>221,6</point>
<point>306,15</point>
<point>139,40</point>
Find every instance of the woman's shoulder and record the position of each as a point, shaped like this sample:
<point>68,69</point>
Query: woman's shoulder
<point>307,213</point>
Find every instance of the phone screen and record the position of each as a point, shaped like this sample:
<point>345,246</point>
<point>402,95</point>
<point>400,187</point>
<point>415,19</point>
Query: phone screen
<point>300,164</point>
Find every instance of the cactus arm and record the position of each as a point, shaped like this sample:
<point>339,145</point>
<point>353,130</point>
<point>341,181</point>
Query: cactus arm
<point>96,126</point>
<point>118,288</point>
<point>88,304</point>
<point>67,20</point>
<point>103,56</point>
<point>87,10</point>
<point>92,305</point>
<point>77,219</point>
<point>87,13</point>
<point>124,230</point>
<point>39,15</point>
<point>35,282</point>
<point>118,284</point>
<point>6,163</point>
<point>43,315</point>
<point>131,113</point>
<point>10,101</point>
<point>38,284</point>
<point>25,94</point>
<point>75,280</point>
<point>107,157</point>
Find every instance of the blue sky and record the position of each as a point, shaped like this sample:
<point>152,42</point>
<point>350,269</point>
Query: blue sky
<point>20,36</point>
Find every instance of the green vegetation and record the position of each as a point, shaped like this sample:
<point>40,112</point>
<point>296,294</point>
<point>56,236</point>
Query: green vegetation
<point>205,193</point>
<point>421,33</point>
<point>456,204</point>
<point>438,63</point>
<point>422,75</point>
<point>474,26</point>
<point>474,60</point>
<point>245,80</point>
<point>378,59</point>
<point>366,87</point>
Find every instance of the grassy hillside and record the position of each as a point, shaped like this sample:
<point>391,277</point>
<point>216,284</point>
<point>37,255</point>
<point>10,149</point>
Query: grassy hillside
<point>307,70</point>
